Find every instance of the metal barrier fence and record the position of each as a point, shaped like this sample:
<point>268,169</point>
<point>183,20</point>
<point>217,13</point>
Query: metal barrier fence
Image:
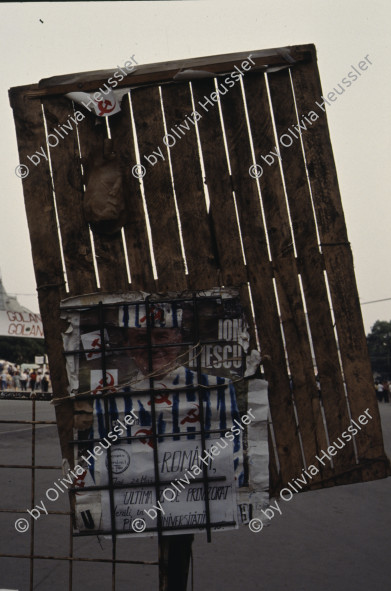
<point>27,539</point>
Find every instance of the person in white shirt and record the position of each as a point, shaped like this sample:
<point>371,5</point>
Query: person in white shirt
<point>4,380</point>
<point>379,392</point>
<point>23,380</point>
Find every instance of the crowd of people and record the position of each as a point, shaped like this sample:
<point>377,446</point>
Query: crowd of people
<point>37,380</point>
<point>382,388</point>
<point>29,379</point>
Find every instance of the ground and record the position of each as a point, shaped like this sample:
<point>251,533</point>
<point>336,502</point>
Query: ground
<point>336,538</point>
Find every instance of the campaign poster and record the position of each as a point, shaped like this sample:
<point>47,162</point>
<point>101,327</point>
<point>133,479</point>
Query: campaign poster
<point>170,413</point>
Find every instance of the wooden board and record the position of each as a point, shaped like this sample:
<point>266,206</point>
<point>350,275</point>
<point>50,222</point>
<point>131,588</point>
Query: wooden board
<point>310,266</point>
<point>109,249</point>
<point>340,273</point>
<point>185,159</point>
<point>260,271</point>
<point>136,233</point>
<point>261,237</point>
<point>222,207</point>
<point>303,386</point>
<point>159,191</point>
<point>68,183</point>
<point>171,71</point>
<point>45,244</point>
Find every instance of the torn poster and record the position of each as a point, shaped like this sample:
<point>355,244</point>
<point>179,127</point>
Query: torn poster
<point>165,399</point>
<point>104,107</point>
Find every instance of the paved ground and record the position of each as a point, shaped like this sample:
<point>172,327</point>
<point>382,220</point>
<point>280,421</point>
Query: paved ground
<point>336,539</point>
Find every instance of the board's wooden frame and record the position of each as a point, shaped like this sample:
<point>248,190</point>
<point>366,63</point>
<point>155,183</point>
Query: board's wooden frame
<point>276,253</point>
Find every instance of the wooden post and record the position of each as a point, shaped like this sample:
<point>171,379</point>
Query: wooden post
<point>174,558</point>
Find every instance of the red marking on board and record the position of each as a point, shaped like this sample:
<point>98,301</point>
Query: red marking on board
<point>154,313</point>
<point>161,398</point>
<point>145,440</point>
<point>104,107</point>
<point>79,482</point>
<point>109,383</point>
<point>97,345</point>
<point>193,416</point>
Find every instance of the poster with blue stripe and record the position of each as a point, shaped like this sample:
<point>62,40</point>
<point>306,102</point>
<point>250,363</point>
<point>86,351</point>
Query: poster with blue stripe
<point>170,413</point>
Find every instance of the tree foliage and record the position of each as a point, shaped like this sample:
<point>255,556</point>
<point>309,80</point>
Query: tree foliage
<point>379,347</point>
<point>21,350</point>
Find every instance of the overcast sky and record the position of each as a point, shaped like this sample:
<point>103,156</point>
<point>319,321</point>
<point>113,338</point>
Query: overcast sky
<point>80,36</point>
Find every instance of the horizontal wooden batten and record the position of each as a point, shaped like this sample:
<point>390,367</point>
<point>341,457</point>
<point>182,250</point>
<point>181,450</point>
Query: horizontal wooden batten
<point>166,72</point>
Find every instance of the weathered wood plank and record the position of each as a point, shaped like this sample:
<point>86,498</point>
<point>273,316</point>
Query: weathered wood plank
<point>158,190</point>
<point>169,71</point>
<point>109,251</point>
<point>286,274</point>
<point>222,207</point>
<point>261,282</point>
<point>68,186</point>
<point>45,246</point>
<point>136,235</point>
<point>311,266</point>
<point>275,478</point>
<point>188,182</point>
<point>340,272</point>
<point>222,215</point>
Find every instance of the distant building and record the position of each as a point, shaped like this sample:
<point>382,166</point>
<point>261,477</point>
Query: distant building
<point>16,320</point>
<point>7,302</point>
